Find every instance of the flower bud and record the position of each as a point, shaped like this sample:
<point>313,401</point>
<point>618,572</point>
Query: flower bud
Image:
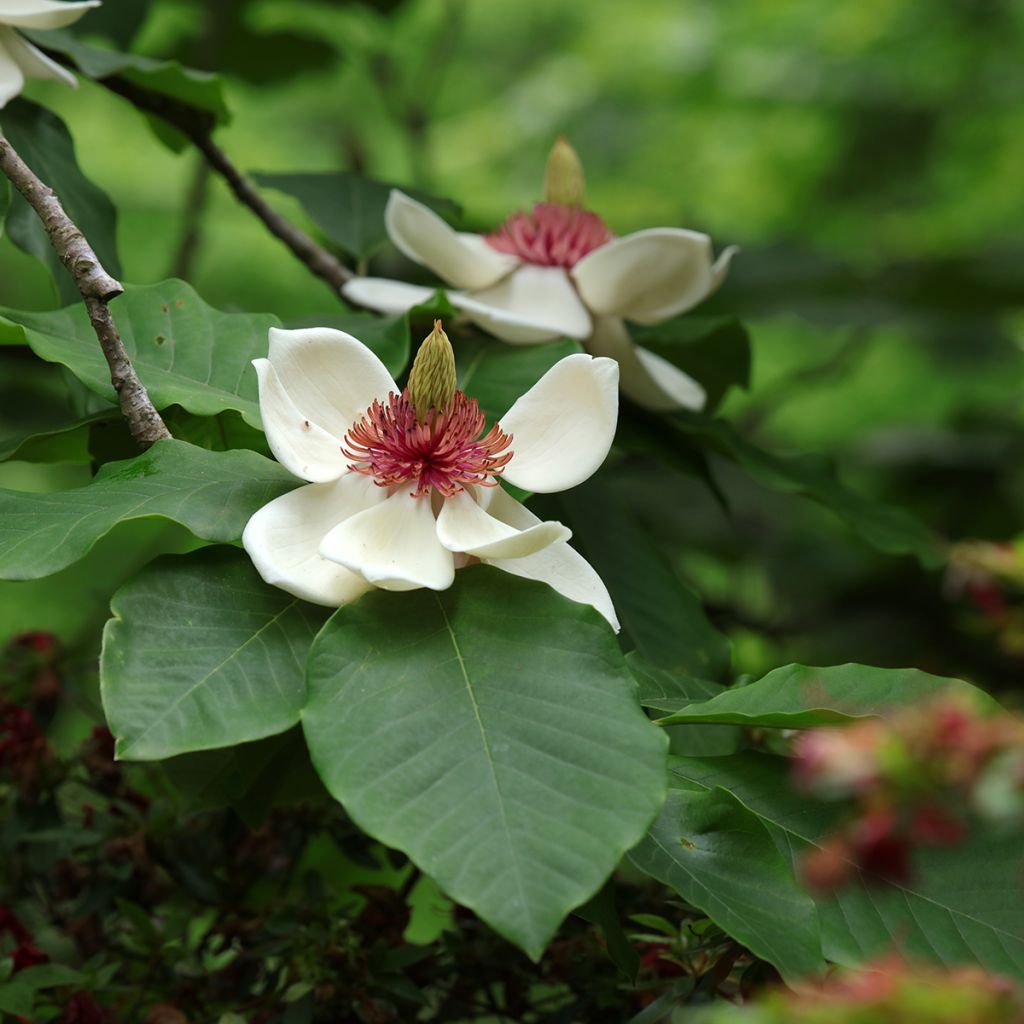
<point>432,378</point>
<point>563,175</point>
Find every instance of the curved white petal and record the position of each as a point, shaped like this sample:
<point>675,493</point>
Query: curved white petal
<point>11,78</point>
<point>330,376</point>
<point>531,304</point>
<point>384,295</point>
<point>301,445</point>
<point>463,260</point>
<point>393,545</point>
<point>463,525</point>
<point>45,14</point>
<point>644,377</point>
<point>647,276</point>
<point>564,425</point>
<point>558,565</point>
<point>721,267</point>
<point>34,63</point>
<point>283,539</point>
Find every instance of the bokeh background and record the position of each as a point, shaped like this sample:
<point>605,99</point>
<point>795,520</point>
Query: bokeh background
<point>867,156</point>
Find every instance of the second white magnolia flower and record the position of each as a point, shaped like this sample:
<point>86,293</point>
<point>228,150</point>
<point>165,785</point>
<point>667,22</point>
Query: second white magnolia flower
<point>398,499</point>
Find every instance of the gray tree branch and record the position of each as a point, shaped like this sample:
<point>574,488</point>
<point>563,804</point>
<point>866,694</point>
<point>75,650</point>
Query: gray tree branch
<point>97,288</point>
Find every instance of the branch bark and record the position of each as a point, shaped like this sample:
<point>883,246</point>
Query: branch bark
<point>97,288</point>
<point>197,126</point>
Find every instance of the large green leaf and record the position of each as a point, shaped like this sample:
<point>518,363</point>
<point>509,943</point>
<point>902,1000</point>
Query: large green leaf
<point>201,653</point>
<point>347,207</point>
<point>492,732</point>
<point>798,697</point>
<point>893,530</point>
<point>211,493</point>
<point>965,904</point>
<point>664,618</point>
<point>186,352</point>
<point>43,142</point>
<point>721,859</point>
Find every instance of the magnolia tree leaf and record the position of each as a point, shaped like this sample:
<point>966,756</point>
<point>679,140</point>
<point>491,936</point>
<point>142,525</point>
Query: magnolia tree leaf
<point>714,350</point>
<point>662,615</point>
<point>965,904</point>
<point>798,697</point>
<point>491,731</point>
<point>347,207</point>
<point>721,859</point>
<point>43,142</point>
<point>201,653</point>
<point>893,530</point>
<point>186,352</point>
<point>213,494</point>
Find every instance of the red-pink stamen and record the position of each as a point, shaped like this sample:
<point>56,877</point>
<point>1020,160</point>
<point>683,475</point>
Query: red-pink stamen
<point>551,236</point>
<point>446,453</point>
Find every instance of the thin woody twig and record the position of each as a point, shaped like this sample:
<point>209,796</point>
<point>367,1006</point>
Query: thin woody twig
<point>197,126</point>
<point>97,288</point>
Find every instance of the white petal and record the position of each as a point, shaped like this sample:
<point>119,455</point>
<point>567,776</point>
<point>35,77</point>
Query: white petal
<point>721,267</point>
<point>531,304</point>
<point>43,14</point>
<point>647,276</point>
<point>644,377</point>
<point>34,63</point>
<point>384,296</point>
<point>558,565</point>
<point>283,539</point>
<point>393,545</point>
<point>464,526</point>
<point>563,426</point>
<point>11,78</point>
<point>330,376</point>
<point>463,260</point>
<point>302,446</point>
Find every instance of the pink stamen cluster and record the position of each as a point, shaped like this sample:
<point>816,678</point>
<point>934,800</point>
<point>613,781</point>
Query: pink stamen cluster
<point>445,453</point>
<point>551,236</point>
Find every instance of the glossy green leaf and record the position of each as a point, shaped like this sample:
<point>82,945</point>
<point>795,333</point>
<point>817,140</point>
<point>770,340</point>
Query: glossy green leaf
<point>490,731</point>
<point>964,904</point>
<point>201,653</point>
<point>721,859</point>
<point>713,350</point>
<point>799,697</point>
<point>213,494</point>
<point>602,911</point>
<point>664,618</point>
<point>186,352</point>
<point>43,142</point>
<point>347,207</point>
<point>889,529</point>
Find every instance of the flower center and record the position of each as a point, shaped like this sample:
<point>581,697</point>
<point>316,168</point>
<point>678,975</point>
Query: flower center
<point>446,453</point>
<point>552,236</point>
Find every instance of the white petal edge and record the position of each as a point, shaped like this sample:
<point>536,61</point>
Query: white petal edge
<point>645,378</point>
<point>331,376</point>
<point>44,14</point>
<point>532,304</point>
<point>461,259</point>
<point>393,545</point>
<point>648,276</point>
<point>463,525</point>
<point>300,444</point>
<point>12,80</point>
<point>283,539</point>
<point>563,427</point>
<point>383,295</point>
<point>559,566</point>
<point>34,63</point>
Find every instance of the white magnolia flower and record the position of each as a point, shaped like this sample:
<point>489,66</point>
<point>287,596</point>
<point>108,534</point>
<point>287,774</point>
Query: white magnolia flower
<point>404,488</point>
<point>19,59</point>
<point>559,272</point>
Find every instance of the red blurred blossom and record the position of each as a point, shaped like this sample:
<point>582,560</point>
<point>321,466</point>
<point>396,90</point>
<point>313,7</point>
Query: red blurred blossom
<point>82,1008</point>
<point>27,955</point>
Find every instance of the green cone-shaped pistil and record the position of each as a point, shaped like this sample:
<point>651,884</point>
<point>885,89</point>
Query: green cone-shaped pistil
<point>563,175</point>
<point>432,377</point>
